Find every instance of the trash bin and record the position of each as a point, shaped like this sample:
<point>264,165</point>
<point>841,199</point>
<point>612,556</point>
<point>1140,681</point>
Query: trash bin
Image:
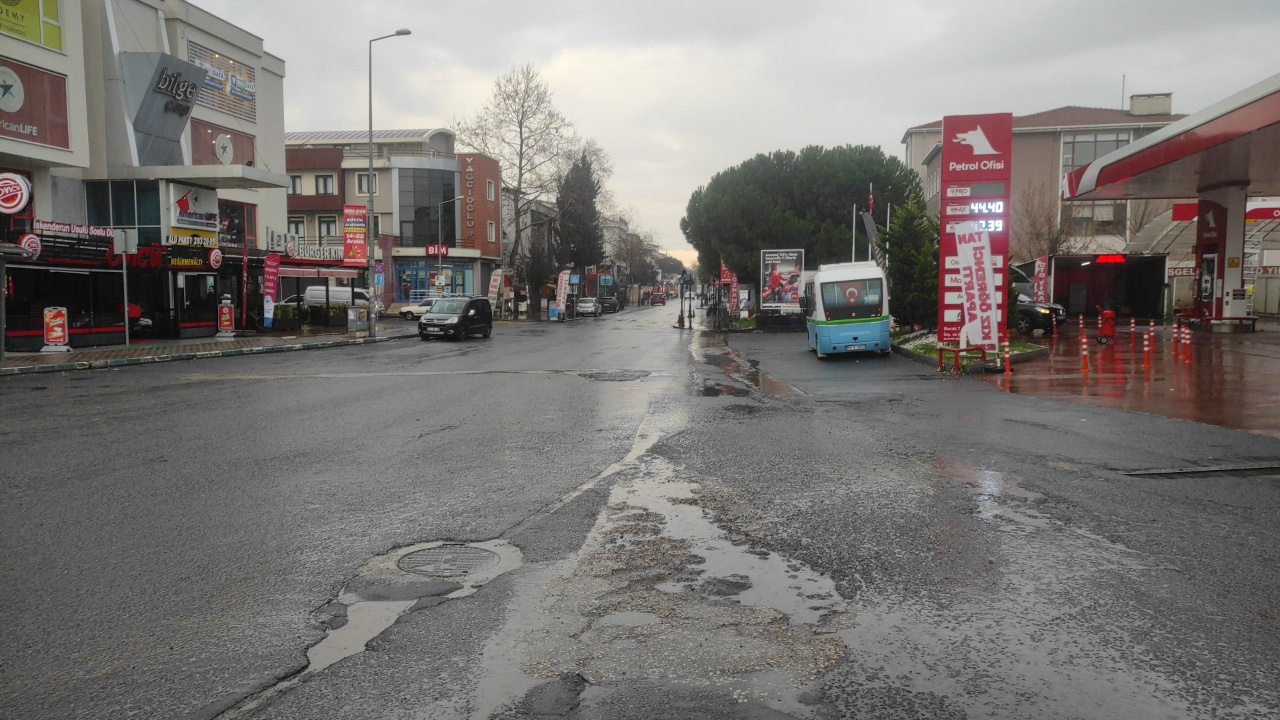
<point>357,321</point>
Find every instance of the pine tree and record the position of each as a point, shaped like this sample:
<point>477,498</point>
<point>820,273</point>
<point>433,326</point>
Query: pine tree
<point>912,244</point>
<point>581,239</point>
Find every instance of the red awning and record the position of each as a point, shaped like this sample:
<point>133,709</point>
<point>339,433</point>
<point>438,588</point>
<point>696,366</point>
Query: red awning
<point>1233,142</point>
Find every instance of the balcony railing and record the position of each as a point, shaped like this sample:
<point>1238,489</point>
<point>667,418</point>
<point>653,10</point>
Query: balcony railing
<point>380,151</point>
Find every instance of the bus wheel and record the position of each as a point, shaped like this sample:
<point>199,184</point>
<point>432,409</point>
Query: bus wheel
<point>821,355</point>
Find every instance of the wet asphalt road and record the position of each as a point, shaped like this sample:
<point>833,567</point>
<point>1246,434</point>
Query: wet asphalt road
<point>689,529</point>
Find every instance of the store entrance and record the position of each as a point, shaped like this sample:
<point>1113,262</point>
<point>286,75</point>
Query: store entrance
<point>196,304</point>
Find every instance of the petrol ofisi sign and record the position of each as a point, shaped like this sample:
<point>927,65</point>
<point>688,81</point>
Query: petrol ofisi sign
<point>977,152</point>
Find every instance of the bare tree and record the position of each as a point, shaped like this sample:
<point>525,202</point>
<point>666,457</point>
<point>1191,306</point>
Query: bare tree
<point>1141,213</point>
<point>521,128</point>
<point>1043,226</point>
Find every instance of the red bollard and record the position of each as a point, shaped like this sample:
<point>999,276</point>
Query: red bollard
<point>1054,319</point>
<point>1186,345</point>
<point>1008,369</point>
<point>1133,331</point>
<point>1177,336</point>
<point>1084,353</point>
<point>1146,351</point>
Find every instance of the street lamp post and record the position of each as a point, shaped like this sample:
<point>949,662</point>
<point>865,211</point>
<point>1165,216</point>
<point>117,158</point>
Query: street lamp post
<point>440,233</point>
<point>368,201</point>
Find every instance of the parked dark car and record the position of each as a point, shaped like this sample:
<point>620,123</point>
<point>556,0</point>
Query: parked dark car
<point>458,318</point>
<point>1034,315</point>
<point>609,304</point>
<point>657,299</point>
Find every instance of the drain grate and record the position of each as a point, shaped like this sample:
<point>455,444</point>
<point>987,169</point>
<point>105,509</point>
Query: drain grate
<point>1236,471</point>
<point>448,561</point>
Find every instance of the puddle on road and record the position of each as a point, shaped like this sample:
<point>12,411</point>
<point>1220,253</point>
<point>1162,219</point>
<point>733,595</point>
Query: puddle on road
<point>381,592</point>
<point>1039,632</point>
<point>740,376</point>
<point>659,594</point>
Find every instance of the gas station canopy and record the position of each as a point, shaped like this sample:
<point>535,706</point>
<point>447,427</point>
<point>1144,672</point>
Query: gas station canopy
<point>1235,142</point>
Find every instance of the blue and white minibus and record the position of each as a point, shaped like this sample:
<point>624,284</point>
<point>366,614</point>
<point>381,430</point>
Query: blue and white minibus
<point>846,308</point>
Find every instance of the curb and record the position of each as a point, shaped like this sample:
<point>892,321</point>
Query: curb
<point>195,355</point>
<point>969,368</point>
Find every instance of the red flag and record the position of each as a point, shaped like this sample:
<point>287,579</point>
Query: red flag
<point>871,198</point>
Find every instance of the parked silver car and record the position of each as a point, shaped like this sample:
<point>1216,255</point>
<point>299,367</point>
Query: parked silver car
<point>589,306</point>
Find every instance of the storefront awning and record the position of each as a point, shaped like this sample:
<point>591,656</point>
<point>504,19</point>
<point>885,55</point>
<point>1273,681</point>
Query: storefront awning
<point>1233,142</point>
<point>295,271</point>
<point>221,177</point>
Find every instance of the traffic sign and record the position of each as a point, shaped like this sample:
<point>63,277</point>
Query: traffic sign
<point>378,278</point>
<point>377,267</point>
<point>573,279</point>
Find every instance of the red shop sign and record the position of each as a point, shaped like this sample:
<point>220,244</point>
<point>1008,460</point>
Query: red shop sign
<point>226,318</point>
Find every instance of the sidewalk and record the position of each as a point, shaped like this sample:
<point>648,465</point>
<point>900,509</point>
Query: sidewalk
<point>1227,379</point>
<point>151,351</point>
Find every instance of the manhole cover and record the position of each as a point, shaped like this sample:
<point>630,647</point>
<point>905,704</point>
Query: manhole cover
<point>448,561</point>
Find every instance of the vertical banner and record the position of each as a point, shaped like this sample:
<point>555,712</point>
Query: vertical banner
<point>495,284</point>
<point>562,290</point>
<point>730,278</point>
<point>354,250</point>
<point>780,273</point>
<point>270,283</point>
<point>226,318</point>
<point>973,242</point>
<point>1042,279</point>
<point>978,288</point>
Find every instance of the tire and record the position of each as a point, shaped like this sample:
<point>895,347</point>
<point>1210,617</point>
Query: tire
<point>462,334</point>
<point>406,315</point>
<point>423,337</point>
<point>487,332</point>
<point>1025,326</point>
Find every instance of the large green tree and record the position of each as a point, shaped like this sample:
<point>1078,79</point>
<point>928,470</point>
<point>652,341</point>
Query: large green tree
<point>581,240</point>
<point>791,200</point>
<point>911,244</point>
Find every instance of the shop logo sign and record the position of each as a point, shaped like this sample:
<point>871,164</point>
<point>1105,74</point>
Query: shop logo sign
<point>32,243</point>
<point>215,258</point>
<point>12,94</point>
<point>977,140</point>
<point>15,193</point>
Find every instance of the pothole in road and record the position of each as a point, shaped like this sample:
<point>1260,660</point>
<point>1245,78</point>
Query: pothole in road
<point>385,588</point>
<point>614,375</point>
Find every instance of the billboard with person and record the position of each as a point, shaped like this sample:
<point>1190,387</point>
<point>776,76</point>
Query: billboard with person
<point>780,274</point>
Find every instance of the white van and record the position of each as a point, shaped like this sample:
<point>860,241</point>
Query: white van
<point>315,295</point>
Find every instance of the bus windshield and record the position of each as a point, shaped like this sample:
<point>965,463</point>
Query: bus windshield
<point>848,299</point>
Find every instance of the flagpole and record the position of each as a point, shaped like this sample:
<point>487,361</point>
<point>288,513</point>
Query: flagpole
<point>855,233</point>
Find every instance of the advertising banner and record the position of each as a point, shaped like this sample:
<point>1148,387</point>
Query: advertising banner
<point>226,318</point>
<point>354,251</point>
<point>978,288</point>
<point>270,285</point>
<point>195,208</point>
<point>56,332</point>
<point>495,283</point>
<point>1042,279</point>
<point>28,20</point>
<point>562,289</point>
<point>33,105</point>
<point>973,241</point>
<point>780,273</point>
<point>729,277</point>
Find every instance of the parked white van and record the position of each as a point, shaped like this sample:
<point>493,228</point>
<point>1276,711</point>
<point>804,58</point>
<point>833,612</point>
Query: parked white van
<point>315,295</point>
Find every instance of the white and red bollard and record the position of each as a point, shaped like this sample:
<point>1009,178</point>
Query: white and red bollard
<point>1146,351</point>
<point>1133,330</point>
<point>1084,354</point>
<point>1186,344</point>
<point>1008,369</point>
<point>1177,336</point>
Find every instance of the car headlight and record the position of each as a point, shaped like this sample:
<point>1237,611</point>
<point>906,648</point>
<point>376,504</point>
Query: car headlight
<point>1043,310</point>
<point>451,321</point>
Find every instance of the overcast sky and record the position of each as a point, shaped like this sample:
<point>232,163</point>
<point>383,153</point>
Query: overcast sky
<point>676,91</point>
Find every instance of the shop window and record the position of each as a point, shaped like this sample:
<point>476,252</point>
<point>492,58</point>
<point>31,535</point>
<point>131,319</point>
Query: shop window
<point>298,226</point>
<point>328,226</point>
<point>362,184</point>
<point>295,184</point>
<point>324,184</point>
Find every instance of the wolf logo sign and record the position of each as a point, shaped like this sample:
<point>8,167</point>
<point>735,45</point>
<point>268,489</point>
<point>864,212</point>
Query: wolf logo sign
<point>977,140</point>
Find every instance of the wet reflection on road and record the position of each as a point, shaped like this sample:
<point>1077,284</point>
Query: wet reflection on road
<point>1221,379</point>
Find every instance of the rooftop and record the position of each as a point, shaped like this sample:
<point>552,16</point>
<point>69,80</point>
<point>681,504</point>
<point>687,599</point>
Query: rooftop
<point>356,136</point>
<point>1073,116</point>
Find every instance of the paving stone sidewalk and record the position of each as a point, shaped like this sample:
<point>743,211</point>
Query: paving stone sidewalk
<point>97,358</point>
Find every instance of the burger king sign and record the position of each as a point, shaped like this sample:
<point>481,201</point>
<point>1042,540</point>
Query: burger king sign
<point>15,193</point>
